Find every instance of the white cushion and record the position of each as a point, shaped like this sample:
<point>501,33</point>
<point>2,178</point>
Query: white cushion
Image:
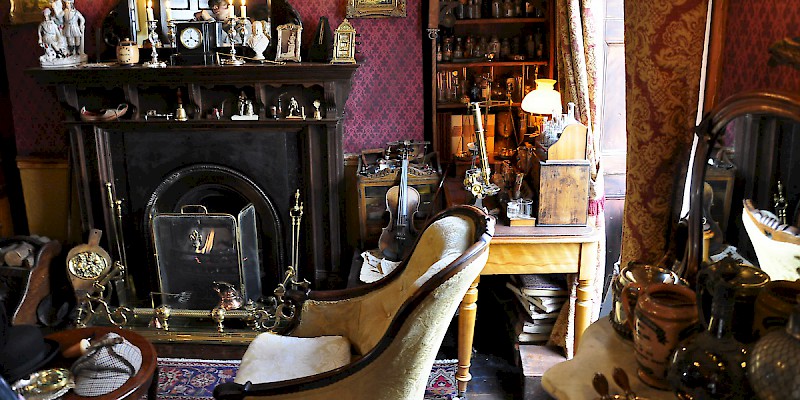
<point>273,358</point>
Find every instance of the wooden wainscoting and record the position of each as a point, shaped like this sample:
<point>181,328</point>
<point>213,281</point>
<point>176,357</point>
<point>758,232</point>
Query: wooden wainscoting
<point>46,187</point>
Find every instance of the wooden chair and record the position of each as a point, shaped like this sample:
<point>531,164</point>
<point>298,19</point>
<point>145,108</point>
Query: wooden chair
<point>395,326</point>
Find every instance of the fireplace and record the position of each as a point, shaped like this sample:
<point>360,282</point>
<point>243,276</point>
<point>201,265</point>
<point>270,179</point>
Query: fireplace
<point>135,169</point>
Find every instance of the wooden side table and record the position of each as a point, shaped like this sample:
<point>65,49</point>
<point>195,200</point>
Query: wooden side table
<point>528,250</point>
<point>144,382</point>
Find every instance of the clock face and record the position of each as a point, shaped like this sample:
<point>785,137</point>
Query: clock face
<point>191,38</point>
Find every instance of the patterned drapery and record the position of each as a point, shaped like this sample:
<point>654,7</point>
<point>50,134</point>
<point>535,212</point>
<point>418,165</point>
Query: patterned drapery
<point>576,44</point>
<point>663,57</point>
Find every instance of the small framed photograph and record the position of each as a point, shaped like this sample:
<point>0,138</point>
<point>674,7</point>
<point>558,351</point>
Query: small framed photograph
<point>288,43</point>
<point>376,8</point>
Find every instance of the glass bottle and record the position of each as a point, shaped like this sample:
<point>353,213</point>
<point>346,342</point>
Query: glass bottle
<point>530,48</point>
<point>497,9</point>
<point>530,9</point>
<point>482,48</point>
<point>439,52</point>
<point>447,49</point>
<point>470,10</point>
<point>518,8</point>
<point>469,46</point>
<point>712,364</point>
<point>477,9</point>
<point>458,52</point>
<point>494,48</point>
<point>539,43</point>
<point>505,49</point>
<point>460,10</point>
<point>508,9</point>
<point>515,46</point>
<point>775,360</point>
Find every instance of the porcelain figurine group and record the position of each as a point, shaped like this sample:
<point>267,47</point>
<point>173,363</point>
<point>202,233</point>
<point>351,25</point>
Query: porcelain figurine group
<point>61,35</point>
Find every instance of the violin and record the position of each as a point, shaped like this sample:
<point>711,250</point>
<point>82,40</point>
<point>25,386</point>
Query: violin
<point>402,202</point>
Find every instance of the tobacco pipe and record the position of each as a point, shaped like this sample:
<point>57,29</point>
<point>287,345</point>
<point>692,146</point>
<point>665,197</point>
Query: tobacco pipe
<point>621,379</point>
<point>600,384</point>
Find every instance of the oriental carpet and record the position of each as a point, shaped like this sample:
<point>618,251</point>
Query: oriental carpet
<point>191,379</point>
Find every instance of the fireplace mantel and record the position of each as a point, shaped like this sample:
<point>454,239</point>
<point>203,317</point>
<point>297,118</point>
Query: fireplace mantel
<point>311,149</point>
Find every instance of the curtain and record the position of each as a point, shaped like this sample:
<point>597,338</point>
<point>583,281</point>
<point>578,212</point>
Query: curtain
<point>663,60</point>
<point>576,44</point>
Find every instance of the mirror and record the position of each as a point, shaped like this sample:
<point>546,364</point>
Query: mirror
<point>747,145</point>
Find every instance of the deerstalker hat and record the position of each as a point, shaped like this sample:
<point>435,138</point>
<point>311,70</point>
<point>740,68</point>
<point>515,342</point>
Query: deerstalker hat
<point>106,368</point>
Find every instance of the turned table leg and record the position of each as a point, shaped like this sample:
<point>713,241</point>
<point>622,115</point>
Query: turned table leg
<point>583,303</point>
<point>466,332</point>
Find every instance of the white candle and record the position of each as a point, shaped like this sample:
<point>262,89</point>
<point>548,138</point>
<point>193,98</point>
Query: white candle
<point>168,10</point>
<point>231,10</point>
<point>150,10</point>
<point>244,10</point>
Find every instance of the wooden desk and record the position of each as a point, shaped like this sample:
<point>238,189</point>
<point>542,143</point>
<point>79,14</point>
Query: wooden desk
<point>528,250</point>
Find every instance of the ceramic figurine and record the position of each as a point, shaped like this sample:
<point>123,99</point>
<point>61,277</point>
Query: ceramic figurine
<point>259,41</point>
<point>62,38</point>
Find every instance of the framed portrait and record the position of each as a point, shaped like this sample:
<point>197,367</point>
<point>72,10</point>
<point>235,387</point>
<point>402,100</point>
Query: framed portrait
<point>376,8</point>
<point>27,11</point>
<point>288,43</point>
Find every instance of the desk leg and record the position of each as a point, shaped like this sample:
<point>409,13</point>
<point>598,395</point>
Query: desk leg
<point>466,332</point>
<point>583,303</point>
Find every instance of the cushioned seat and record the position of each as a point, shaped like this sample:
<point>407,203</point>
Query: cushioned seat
<point>394,327</point>
<point>777,246</point>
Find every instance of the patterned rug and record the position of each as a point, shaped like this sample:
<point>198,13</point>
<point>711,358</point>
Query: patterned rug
<point>190,379</point>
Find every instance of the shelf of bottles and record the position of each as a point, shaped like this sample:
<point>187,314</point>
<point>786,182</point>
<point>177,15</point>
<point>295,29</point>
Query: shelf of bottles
<point>487,50</point>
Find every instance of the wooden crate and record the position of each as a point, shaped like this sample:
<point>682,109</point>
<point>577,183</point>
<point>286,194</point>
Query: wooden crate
<point>563,193</point>
<point>372,213</point>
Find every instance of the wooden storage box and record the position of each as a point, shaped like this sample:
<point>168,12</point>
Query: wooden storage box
<point>372,213</point>
<point>563,192</point>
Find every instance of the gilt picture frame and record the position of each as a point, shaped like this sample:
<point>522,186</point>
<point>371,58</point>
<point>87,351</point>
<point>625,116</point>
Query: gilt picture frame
<point>288,43</point>
<point>376,8</point>
<point>27,11</point>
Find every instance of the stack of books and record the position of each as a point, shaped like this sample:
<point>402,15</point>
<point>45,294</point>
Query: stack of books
<point>540,298</point>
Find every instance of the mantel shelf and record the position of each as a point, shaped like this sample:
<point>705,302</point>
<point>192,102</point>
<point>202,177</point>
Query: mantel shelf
<point>289,73</point>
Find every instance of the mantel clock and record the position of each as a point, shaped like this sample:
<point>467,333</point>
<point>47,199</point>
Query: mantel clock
<point>195,42</point>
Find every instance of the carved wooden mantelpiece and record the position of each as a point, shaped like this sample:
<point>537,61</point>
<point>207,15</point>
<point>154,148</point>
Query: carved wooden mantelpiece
<point>278,154</point>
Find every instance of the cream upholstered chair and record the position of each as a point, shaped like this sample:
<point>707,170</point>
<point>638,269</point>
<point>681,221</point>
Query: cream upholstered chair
<point>391,330</point>
<point>777,246</point>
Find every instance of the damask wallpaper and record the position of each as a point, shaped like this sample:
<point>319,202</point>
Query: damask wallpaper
<point>753,25</point>
<point>386,102</point>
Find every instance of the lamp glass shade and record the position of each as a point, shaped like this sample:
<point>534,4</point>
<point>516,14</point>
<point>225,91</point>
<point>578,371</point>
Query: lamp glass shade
<point>544,99</point>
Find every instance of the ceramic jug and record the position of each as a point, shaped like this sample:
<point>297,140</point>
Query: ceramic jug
<point>634,272</point>
<point>665,314</point>
<point>747,282</point>
<point>127,52</point>
<point>774,305</point>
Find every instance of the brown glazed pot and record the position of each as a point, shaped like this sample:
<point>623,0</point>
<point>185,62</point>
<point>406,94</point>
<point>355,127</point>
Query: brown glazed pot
<point>774,305</point>
<point>665,314</point>
<point>634,272</point>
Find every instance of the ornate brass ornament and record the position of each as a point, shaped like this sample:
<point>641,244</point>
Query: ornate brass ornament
<point>344,44</point>
<point>376,8</point>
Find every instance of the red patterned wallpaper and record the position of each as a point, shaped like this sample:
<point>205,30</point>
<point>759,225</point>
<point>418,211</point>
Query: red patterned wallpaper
<point>386,102</point>
<point>753,25</point>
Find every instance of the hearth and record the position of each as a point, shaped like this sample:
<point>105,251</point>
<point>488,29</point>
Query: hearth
<point>133,170</point>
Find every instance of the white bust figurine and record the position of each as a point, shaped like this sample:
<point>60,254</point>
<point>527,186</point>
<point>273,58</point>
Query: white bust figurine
<point>259,41</point>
